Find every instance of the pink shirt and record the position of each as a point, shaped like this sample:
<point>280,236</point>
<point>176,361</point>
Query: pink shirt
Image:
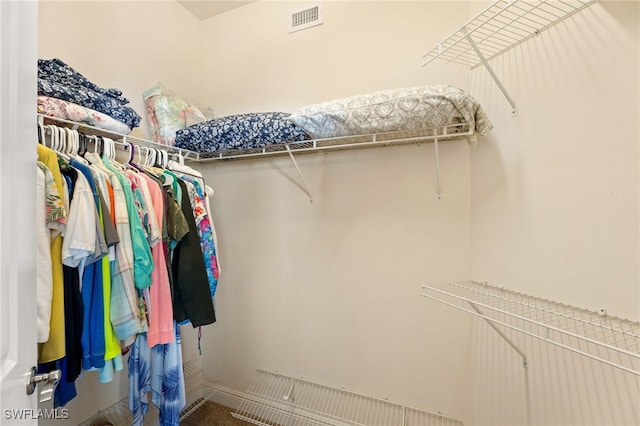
<point>161,308</point>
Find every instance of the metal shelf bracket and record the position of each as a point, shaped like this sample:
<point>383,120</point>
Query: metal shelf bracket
<point>304,182</point>
<point>438,185</point>
<point>484,61</point>
<point>525,364</point>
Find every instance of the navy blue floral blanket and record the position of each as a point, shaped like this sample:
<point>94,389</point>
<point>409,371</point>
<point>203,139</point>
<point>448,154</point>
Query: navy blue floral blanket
<point>239,132</point>
<point>58,80</point>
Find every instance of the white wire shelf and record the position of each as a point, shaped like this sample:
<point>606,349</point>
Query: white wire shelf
<point>502,26</point>
<point>611,340</point>
<point>453,131</point>
<point>499,28</point>
<point>275,399</point>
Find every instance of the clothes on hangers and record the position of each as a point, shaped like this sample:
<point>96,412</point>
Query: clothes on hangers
<point>200,198</point>
<point>192,300</point>
<point>205,232</point>
<point>51,216</point>
<point>132,250</point>
<point>53,348</point>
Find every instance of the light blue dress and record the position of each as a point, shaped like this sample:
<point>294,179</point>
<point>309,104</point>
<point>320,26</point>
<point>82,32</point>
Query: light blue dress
<point>158,371</point>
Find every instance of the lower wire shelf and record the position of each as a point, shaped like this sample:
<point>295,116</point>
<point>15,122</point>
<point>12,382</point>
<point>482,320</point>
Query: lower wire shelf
<point>274,399</point>
<point>611,340</point>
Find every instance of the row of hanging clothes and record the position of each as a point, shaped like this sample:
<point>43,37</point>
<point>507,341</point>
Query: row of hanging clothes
<point>126,254</point>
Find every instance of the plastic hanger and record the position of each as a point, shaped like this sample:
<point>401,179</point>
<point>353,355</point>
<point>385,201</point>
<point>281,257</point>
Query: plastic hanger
<point>179,157</point>
<point>101,146</point>
<point>96,144</point>
<point>132,152</point>
<point>109,149</point>
<point>81,144</point>
<point>165,159</point>
<point>53,141</point>
<point>41,135</point>
<point>60,140</point>
<point>149,156</point>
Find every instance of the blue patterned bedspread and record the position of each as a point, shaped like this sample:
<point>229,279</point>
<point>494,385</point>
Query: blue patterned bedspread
<point>239,132</point>
<point>58,80</point>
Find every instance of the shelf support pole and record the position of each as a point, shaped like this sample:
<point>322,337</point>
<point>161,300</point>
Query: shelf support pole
<point>438,185</point>
<point>493,74</point>
<point>520,352</point>
<point>304,182</point>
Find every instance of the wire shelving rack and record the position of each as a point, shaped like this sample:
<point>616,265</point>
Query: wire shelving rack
<point>594,334</point>
<point>274,399</point>
<point>500,27</point>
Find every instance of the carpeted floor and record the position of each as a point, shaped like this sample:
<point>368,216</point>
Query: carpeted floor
<point>212,414</point>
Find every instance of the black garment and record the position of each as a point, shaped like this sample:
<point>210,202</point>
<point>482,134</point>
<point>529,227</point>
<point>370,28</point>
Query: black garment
<point>73,319</point>
<point>192,297</point>
<point>165,232</point>
<point>73,304</point>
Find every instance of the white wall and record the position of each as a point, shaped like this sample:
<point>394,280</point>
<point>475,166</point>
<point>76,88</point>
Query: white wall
<point>255,65</point>
<point>555,210</point>
<point>331,290</point>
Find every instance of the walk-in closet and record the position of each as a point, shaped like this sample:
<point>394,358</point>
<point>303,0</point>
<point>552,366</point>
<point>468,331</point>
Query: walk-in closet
<point>481,270</point>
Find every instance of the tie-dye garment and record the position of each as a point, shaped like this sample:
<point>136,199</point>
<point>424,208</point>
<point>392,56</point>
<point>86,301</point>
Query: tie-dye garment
<point>158,371</point>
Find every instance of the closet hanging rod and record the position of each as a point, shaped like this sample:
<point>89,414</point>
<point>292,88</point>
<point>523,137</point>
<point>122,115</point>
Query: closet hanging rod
<point>119,138</point>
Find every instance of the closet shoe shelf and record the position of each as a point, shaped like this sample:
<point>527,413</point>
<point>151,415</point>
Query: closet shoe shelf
<point>499,28</point>
<point>611,340</point>
<point>275,399</point>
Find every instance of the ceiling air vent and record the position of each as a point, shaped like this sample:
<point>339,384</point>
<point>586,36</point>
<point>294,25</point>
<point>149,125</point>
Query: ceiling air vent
<point>306,18</point>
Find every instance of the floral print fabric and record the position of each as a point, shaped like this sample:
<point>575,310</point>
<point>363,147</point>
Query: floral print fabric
<point>406,109</point>
<point>243,131</point>
<point>205,232</point>
<point>55,208</point>
<point>58,80</point>
<point>58,108</point>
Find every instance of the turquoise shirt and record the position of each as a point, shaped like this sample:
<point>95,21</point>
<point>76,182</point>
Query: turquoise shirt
<point>142,259</point>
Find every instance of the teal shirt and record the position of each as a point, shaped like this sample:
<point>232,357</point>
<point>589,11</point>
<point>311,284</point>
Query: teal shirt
<point>142,258</point>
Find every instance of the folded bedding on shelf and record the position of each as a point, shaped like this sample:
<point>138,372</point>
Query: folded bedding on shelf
<point>58,80</point>
<point>406,109</point>
<point>406,112</point>
<point>239,132</point>
<point>65,110</point>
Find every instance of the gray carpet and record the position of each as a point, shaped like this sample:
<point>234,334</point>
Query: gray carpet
<point>212,414</point>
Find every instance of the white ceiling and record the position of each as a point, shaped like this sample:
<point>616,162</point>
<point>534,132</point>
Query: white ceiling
<point>203,9</point>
